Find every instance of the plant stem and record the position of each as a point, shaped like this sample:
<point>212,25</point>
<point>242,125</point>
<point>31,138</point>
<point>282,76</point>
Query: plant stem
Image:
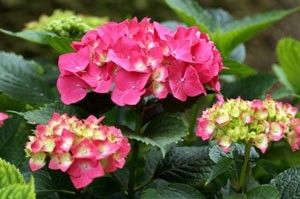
<point>135,150</point>
<point>194,114</point>
<point>242,185</point>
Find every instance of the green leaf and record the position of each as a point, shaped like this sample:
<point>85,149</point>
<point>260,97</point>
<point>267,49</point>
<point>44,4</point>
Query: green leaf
<point>263,191</point>
<point>288,182</point>
<point>192,14</point>
<point>9,174</point>
<point>172,190</point>
<point>239,31</point>
<point>44,114</point>
<point>13,136</point>
<point>236,68</point>
<point>105,187</point>
<point>44,184</point>
<point>185,164</point>
<point>222,166</point>
<point>162,131</point>
<point>29,35</point>
<point>152,159</point>
<point>8,103</point>
<point>237,196</point>
<point>288,53</point>
<point>249,88</point>
<point>60,44</point>
<point>19,80</point>
<point>18,190</point>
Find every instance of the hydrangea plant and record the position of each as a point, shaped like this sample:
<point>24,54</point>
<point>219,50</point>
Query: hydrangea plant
<point>116,116</point>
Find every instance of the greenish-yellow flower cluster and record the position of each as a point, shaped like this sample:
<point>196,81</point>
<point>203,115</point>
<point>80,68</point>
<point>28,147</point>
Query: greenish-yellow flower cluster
<point>66,23</point>
<point>257,122</point>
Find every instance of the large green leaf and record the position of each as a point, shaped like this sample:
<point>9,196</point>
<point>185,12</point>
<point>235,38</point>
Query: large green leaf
<point>18,190</point>
<point>185,164</point>
<point>249,88</point>
<point>192,14</point>
<point>162,131</point>
<point>263,191</point>
<point>239,31</point>
<point>9,174</point>
<point>13,136</point>
<point>236,68</point>
<point>288,183</point>
<point>105,188</point>
<point>29,35</point>
<point>19,80</point>
<point>44,114</point>
<point>60,44</point>
<point>222,166</point>
<point>288,53</point>
<point>172,190</point>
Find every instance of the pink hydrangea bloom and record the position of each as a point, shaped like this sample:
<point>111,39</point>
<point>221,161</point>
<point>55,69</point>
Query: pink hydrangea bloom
<point>132,59</point>
<point>85,149</point>
<point>258,122</point>
<point>3,116</point>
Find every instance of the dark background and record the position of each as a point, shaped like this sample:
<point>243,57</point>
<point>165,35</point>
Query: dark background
<point>260,50</point>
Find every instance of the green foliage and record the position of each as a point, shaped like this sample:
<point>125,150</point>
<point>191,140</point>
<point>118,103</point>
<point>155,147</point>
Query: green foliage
<point>172,190</point>
<point>227,35</point>
<point>13,136</point>
<point>222,166</point>
<point>19,79</point>
<point>288,53</point>
<point>43,114</point>
<point>105,188</point>
<point>239,31</point>
<point>12,184</point>
<point>249,88</point>
<point>262,191</point>
<point>162,131</point>
<point>288,182</point>
<point>236,68</point>
<point>185,164</point>
<point>192,14</point>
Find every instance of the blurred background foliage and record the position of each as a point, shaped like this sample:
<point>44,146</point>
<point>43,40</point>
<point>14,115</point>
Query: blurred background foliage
<point>260,50</point>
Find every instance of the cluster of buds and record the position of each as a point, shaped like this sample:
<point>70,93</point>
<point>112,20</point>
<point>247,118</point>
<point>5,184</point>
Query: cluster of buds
<point>258,122</point>
<point>132,59</point>
<point>3,116</point>
<point>84,149</point>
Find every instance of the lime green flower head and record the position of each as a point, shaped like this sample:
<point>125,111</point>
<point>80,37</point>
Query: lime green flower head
<point>258,122</point>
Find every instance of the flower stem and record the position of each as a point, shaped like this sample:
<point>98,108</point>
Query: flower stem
<point>242,185</point>
<point>135,150</point>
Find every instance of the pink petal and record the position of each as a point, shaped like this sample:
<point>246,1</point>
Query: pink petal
<point>74,62</point>
<point>205,128</point>
<point>84,149</point>
<point>37,161</point>
<point>71,88</point>
<point>61,161</point>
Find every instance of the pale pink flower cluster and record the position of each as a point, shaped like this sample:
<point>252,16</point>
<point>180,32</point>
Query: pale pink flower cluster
<point>3,116</point>
<point>258,122</point>
<point>84,149</point>
<point>132,59</point>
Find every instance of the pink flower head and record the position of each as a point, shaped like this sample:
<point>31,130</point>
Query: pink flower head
<point>153,59</point>
<point>3,116</point>
<point>80,148</point>
<point>258,122</point>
